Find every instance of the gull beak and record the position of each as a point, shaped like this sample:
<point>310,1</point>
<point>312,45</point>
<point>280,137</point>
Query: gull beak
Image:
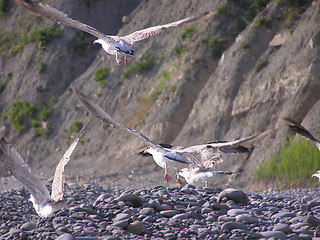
<point>95,41</point>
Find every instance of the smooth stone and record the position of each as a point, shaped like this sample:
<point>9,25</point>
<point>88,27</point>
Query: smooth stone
<point>225,218</point>
<point>121,216</point>
<point>66,236</point>
<point>182,216</point>
<point>163,207</point>
<point>236,212</point>
<point>169,213</point>
<point>136,200</point>
<point>285,228</point>
<point>218,206</point>
<point>282,215</point>
<point>313,221</point>
<point>28,226</point>
<point>146,211</point>
<point>274,234</point>
<point>121,223</point>
<point>237,195</point>
<point>246,218</point>
<point>233,225</point>
<point>135,227</point>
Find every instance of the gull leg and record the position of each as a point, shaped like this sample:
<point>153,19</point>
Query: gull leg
<point>117,58</point>
<point>125,60</point>
<point>166,176</point>
<point>206,182</point>
<point>178,178</point>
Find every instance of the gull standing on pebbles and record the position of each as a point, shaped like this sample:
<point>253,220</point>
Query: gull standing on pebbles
<point>160,155</point>
<point>298,128</point>
<point>111,44</point>
<point>44,204</point>
<point>198,171</point>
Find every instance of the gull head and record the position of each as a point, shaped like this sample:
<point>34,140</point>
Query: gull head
<point>317,174</point>
<point>184,172</point>
<point>98,41</point>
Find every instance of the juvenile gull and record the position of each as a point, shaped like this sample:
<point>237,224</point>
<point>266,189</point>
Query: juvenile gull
<point>197,172</point>
<point>160,155</point>
<point>111,44</point>
<point>44,204</point>
<point>298,128</point>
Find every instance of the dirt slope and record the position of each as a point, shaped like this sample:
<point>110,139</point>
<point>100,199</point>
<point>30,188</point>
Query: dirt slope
<point>218,79</point>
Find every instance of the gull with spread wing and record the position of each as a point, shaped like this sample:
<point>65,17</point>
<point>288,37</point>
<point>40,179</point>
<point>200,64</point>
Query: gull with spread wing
<point>210,152</point>
<point>111,44</point>
<point>298,128</point>
<point>44,204</point>
<point>160,155</point>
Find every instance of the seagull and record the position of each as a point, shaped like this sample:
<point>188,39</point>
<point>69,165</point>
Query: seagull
<point>197,172</point>
<point>160,155</point>
<point>298,128</point>
<point>44,204</point>
<point>210,152</point>
<point>111,44</point>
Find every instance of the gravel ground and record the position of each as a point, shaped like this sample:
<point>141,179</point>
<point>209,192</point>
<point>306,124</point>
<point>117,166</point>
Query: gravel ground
<point>165,213</point>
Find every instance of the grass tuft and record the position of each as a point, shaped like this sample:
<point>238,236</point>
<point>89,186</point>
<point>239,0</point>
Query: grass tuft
<point>294,164</point>
<point>146,64</point>
<point>101,74</point>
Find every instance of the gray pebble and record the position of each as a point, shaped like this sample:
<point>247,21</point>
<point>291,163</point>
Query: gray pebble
<point>28,226</point>
<point>274,234</point>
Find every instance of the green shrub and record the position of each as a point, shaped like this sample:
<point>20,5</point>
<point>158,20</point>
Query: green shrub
<point>217,46</point>
<point>44,36</point>
<point>179,49</point>
<point>46,111</point>
<point>221,8</point>
<point>295,162</point>
<point>4,7</point>
<point>101,74</point>
<point>19,114</point>
<point>188,33</point>
<point>76,126</point>
<point>79,43</point>
<point>261,63</point>
<point>146,64</point>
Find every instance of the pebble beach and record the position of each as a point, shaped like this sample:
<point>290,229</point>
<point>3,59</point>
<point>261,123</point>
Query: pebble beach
<point>189,212</point>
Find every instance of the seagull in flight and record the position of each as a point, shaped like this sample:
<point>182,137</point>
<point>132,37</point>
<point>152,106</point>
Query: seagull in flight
<point>111,44</point>
<point>44,204</point>
<point>298,128</point>
<point>210,152</point>
<point>161,156</point>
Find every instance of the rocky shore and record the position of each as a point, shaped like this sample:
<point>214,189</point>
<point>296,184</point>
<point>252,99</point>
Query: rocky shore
<point>165,213</point>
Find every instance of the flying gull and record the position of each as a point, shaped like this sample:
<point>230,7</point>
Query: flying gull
<point>160,155</point>
<point>210,152</point>
<point>44,204</point>
<point>298,128</point>
<point>111,44</point>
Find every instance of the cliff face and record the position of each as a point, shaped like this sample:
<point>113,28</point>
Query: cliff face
<point>235,74</point>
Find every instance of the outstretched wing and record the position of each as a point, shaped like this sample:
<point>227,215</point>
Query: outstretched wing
<point>296,127</point>
<point>58,180</point>
<point>16,166</point>
<point>218,145</point>
<point>148,32</point>
<point>97,111</point>
<point>46,11</point>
